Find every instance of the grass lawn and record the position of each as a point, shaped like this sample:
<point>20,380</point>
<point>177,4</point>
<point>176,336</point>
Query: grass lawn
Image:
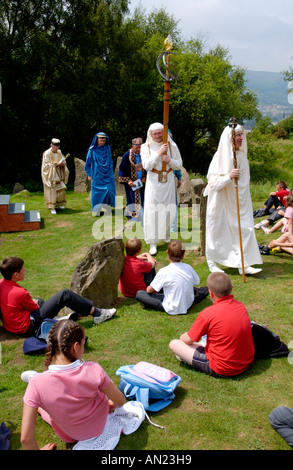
<point>207,413</point>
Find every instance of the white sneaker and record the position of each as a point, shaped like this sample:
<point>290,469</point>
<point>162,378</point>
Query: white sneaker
<point>214,268</point>
<point>72,316</point>
<point>61,207</point>
<point>153,249</point>
<point>259,225</point>
<point>53,211</point>
<point>250,270</point>
<point>27,375</point>
<point>106,314</point>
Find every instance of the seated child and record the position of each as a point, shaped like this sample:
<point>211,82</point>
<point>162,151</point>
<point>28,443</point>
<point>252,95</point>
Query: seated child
<point>229,348</point>
<point>23,315</point>
<point>287,221</point>
<point>76,397</point>
<point>172,289</point>
<point>283,243</point>
<point>139,269</point>
<point>276,199</point>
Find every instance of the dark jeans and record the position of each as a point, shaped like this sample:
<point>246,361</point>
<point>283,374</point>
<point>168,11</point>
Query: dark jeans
<point>148,277</point>
<point>155,300</point>
<point>281,419</point>
<point>51,308</point>
<point>273,214</point>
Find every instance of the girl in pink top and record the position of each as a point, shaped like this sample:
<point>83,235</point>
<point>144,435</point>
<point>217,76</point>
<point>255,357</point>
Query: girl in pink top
<point>74,397</point>
<point>287,221</point>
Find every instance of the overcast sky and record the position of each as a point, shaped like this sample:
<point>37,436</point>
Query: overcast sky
<point>258,33</point>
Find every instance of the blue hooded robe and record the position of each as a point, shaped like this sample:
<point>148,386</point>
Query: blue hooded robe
<point>99,167</point>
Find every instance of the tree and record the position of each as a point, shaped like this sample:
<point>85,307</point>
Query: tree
<point>208,93</point>
<point>70,68</point>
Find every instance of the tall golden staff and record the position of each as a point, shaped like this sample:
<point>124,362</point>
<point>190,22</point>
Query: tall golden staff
<point>233,123</point>
<point>168,76</point>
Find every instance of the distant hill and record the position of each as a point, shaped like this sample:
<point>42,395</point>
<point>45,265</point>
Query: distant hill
<point>272,93</point>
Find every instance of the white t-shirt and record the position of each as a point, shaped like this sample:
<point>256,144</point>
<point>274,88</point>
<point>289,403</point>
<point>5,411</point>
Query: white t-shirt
<point>177,281</point>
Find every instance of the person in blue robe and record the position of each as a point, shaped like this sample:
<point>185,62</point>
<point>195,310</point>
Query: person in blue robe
<point>130,171</point>
<point>99,168</point>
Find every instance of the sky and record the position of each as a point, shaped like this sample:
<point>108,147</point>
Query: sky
<point>257,33</point>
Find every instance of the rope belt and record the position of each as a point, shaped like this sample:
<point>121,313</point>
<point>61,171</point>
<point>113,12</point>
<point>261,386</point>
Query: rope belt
<point>162,175</point>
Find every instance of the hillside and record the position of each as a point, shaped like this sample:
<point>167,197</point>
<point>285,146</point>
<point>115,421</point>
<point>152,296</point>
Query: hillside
<point>272,93</point>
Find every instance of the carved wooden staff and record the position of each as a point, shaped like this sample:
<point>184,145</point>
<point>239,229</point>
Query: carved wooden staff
<point>168,76</point>
<point>233,123</point>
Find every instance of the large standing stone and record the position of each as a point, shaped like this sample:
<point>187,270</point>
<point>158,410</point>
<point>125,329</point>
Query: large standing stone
<point>96,277</point>
<point>120,191</point>
<point>81,182</point>
<point>17,188</point>
<point>203,214</point>
<point>184,193</point>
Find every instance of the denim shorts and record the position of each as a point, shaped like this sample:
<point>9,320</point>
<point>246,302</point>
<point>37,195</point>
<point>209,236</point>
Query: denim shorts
<point>201,362</point>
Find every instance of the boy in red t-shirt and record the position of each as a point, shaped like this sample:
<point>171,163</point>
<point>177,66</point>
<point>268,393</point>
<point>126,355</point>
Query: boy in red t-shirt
<point>274,205</point>
<point>23,315</point>
<point>139,269</point>
<point>229,348</point>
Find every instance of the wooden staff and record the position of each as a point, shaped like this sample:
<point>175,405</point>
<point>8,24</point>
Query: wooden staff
<point>167,79</point>
<point>233,124</point>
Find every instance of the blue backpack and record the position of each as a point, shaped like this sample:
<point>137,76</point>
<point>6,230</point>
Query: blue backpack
<point>149,384</point>
<point>38,344</point>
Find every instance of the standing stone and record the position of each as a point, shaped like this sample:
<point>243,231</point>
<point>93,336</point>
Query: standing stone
<point>81,182</point>
<point>120,191</point>
<point>203,214</point>
<point>96,277</point>
<point>17,188</point>
<point>184,193</point>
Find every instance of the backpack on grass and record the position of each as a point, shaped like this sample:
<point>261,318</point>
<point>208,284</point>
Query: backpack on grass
<point>266,343</point>
<point>149,384</point>
<point>38,344</point>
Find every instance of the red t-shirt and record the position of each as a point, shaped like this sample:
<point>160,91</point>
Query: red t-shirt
<point>230,346</point>
<point>16,305</point>
<point>132,279</point>
<point>281,194</point>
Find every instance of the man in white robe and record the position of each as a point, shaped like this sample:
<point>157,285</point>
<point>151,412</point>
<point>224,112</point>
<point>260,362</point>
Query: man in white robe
<point>222,234</point>
<point>54,176</point>
<point>160,197</point>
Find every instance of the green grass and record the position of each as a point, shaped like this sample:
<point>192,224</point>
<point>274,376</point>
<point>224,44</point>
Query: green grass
<point>207,413</point>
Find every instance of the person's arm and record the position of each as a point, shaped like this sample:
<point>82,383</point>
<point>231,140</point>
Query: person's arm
<point>290,226</point>
<point>147,257</point>
<point>28,303</point>
<point>28,426</point>
<point>150,289</point>
<point>218,182</point>
<point>115,397</point>
<point>186,339</point>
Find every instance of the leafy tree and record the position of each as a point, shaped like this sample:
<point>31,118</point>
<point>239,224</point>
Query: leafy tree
<point>70,68</point>
<point>208,93</point>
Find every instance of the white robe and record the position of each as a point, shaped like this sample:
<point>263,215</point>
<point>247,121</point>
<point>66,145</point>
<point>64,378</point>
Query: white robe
<point>54,179</point>
<point>222,234</point>
<point>160,198</point>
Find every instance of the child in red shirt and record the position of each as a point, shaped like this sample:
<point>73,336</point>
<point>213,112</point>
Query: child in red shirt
<point>23,315</point>
<point>229,348</point>
<point>138,271</point>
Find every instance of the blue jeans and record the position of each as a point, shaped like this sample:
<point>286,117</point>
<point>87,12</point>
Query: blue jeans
<point>281,419</point>
<point>51,308</point>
